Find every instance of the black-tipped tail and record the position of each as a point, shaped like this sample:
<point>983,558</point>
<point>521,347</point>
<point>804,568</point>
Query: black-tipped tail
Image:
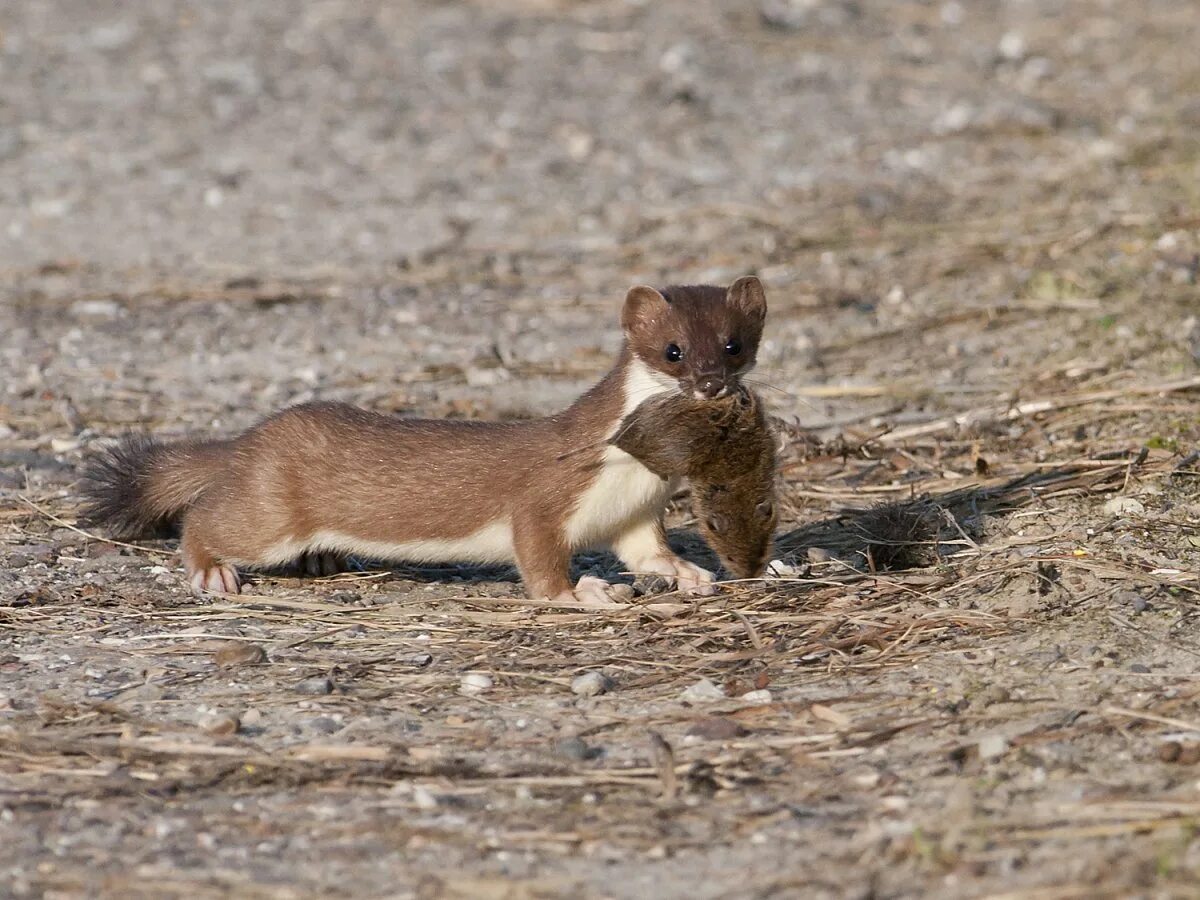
<point>116,482</point>
<point>140,486</point>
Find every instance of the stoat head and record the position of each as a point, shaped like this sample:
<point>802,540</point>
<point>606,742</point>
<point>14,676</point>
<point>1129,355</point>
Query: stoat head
<point>705,337</point>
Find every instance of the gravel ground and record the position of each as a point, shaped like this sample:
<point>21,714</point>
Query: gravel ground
<point>978,227</point>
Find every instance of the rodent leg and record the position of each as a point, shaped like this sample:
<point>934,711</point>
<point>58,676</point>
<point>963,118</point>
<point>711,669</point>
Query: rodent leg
<point>643,548</point>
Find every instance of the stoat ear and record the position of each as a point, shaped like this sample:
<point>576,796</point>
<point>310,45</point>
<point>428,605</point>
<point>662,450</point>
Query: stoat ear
<point>642,304</point>
<point>748,297</point>
<point>653,442</point>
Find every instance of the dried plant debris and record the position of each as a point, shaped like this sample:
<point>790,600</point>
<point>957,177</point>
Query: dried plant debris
<point>900,534</point>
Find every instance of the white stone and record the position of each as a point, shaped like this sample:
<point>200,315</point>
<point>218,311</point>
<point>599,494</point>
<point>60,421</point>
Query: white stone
<point>779,569</point>
<point>703,691</point>
<point>757,698</point>
<point>992,746</point>
<point>589,684</point>
<point>475,683</point>
<point>1124,506</point>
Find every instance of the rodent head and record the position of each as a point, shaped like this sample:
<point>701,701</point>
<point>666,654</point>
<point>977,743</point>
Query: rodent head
<point>705,337</point>
<point>737,519</point>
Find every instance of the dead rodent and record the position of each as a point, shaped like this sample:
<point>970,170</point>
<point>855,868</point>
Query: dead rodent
<point>726,449</point>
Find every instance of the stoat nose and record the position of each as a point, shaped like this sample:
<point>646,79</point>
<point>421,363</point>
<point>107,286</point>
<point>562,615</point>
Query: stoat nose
<point>709,387</point>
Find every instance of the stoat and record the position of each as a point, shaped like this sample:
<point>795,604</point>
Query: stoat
<point>726,450</point>
<point>324,480</point>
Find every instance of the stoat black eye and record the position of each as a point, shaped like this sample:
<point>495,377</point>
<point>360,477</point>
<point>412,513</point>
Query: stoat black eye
<point>733,346</point>
<point>673,353</point>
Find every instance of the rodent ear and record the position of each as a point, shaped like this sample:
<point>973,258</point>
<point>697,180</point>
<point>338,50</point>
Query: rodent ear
<point>641,303</point>
<point>717,523</point>
<point>748,296</point>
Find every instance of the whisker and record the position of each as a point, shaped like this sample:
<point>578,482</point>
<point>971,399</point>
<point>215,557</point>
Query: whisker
<point>759,383</point>
<point>766,384</point>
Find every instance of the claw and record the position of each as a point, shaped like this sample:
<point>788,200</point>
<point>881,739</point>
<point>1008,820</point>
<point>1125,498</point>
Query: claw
<point>687,577</point>
<point>594,591</point>
<point>218,579</point>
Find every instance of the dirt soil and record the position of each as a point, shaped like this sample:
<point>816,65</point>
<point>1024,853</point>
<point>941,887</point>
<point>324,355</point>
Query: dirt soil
<point>978,225</point>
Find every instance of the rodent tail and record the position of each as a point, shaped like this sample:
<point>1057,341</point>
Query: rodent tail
<point>141,486</point>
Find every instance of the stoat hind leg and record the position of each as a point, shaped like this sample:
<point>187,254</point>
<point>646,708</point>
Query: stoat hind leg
<point>205,572</point>
<point>218,531</point>
<point>643,548</point>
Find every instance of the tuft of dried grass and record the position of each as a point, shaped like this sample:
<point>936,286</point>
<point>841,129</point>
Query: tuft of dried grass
<point>900,535</point>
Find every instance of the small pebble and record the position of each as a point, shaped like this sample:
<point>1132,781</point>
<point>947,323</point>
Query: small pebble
<point>779,569</point>
<point>992,746</point>
<point>324,725</point>
<point>1140,669</point>
<point>703,691</point>
<point>1169,751</point>
<point>716,728</point>
<point>222,725</point>
<point>1124,506</point>
<point>757,698</point>
<point>252,716</point>
<point>819,555</point>
<point>578,748</point>
<point>475,683</point>
<point>589,684</point>
<point>239,653</point>
<point>995,694</point>
<point>424,798</point>
<point>319,685</point>
<point>867,779</point>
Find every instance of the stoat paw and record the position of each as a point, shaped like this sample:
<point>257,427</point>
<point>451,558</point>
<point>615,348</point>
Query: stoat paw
<point>218,579</point>
<point>692,579</point>
<point>321,564</point>
<point>597,592</point>
<point>687,577</point>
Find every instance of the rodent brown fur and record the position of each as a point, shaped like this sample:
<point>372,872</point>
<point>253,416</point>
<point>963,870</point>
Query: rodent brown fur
<point>726,449</point>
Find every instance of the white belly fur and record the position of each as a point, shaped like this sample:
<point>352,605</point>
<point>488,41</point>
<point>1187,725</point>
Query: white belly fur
<point>493,543</point>
<point>624,492</point>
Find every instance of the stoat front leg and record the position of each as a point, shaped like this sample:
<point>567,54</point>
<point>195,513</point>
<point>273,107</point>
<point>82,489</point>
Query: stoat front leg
<point>544,560</point>
<point>319,563</point>
<point>643,549</point>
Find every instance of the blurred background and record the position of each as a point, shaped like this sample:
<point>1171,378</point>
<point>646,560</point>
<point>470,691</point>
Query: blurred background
<point>208,210</point>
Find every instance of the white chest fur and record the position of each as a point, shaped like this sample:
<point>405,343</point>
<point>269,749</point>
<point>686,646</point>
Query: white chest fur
<point>624,492</point>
